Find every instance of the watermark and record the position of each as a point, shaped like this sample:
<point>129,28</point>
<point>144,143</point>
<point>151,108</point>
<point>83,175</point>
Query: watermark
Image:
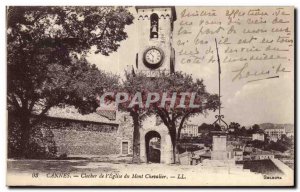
<point>144,100</point>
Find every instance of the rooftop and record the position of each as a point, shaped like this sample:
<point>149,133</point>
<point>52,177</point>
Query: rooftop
<point>173,10</point>
<point>237,149</point>
<point>260,152</point>
<point>268,128</point>
<point>71,113</point>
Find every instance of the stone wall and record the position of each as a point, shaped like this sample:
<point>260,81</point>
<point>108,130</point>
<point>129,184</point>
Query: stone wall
<point>84,138</point>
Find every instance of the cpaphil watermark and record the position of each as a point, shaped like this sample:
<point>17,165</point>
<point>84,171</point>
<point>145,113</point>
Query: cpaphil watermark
<point>144,100</point>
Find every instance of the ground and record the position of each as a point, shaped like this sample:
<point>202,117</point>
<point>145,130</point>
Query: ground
<point>78,166</point>
<point>95,173</point>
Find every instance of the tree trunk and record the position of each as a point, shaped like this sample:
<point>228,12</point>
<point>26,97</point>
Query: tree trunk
<point>136,138</point>
<point>174,154</point>
<point>25,136</point>
<point>173,139</point>
<point>177,154</point>
<point>177,143</point>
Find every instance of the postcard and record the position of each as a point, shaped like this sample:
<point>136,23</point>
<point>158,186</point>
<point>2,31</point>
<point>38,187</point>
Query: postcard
<point>150,96</point>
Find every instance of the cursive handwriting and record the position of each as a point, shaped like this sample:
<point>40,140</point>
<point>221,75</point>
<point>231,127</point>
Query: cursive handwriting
<point>245,73</point>
<point>254,42</point>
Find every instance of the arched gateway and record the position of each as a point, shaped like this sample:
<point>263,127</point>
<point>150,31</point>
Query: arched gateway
<point>155,143</point>
<point>153,147</point>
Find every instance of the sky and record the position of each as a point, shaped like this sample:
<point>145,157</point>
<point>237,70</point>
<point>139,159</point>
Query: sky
<point>246,103</point>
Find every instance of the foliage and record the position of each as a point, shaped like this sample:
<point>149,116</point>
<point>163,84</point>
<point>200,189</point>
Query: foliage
<point>46,66</point>
<point>41,145</point>
<point>237,130</point>
<point>173,118</point>
<point>258,144</point>
<point>185,147</point>
<point>235,127</point>
<point>255,129</point>
<point>281,145</point>
<point>14,136</point>
<point>207,128</point>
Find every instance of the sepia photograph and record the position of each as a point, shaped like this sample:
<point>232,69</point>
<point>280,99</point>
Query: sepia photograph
<point>157,96</point>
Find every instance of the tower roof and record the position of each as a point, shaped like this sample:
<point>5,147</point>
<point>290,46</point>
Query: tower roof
<point>173,10</point>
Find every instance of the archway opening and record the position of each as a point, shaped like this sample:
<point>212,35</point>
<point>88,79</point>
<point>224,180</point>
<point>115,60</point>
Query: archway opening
<point>154,26</point>
<point>153,147</point>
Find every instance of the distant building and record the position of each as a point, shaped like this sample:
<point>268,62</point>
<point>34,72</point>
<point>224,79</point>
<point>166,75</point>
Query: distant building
<point>290,134</point>
<point>190,130</point>
<point>258,136</point>
<point>238,154</point>
<point>235,150</point>
<point>260,155</point>
<point>235,144</point>
<point>248,149</point>
<point>275,133</point>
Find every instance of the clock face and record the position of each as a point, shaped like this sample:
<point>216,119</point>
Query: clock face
<point>153,57</point>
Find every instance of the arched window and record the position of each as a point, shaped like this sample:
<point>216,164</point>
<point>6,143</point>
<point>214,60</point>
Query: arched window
<point>153,26</point>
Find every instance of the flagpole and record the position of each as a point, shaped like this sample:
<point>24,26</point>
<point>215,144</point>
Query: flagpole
<point>219,75</point>
<point>219,116</point>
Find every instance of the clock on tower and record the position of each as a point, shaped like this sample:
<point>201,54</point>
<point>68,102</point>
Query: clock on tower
<point>155,34</point>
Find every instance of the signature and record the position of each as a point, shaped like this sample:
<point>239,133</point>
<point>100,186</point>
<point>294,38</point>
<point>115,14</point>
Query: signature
<point>245,73</point>
<point>272,177</point>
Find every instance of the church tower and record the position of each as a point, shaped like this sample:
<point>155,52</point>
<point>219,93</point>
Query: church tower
<point>155,39</point>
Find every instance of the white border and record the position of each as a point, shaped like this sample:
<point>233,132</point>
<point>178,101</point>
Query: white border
<point>3,3</point>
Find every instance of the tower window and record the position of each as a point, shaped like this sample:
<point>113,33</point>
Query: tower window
<point>154,26</point>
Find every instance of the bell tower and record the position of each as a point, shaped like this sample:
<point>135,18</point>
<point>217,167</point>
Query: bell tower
<point>155,39</point>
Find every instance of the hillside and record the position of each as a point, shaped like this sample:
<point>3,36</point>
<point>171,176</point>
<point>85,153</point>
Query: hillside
<point>288,127</point>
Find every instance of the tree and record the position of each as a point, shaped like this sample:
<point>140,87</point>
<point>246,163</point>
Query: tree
<point>277,146</point>
<point>207,132</point>
<point>131,85</point>
<point>255,128</point>
<point>173,118</point>
<point>207,128</point>
<point>286,140</point>
<point>243,131</point>
<point>46,66</point>
<point>235,126</point>
<point>258,144</point>
<point>283,144</point>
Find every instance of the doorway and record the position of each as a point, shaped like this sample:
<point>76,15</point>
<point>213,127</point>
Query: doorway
<point>153,147</point>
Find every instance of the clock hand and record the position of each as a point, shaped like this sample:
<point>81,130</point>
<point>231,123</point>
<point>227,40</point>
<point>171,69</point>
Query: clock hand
<point>152,57</point>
